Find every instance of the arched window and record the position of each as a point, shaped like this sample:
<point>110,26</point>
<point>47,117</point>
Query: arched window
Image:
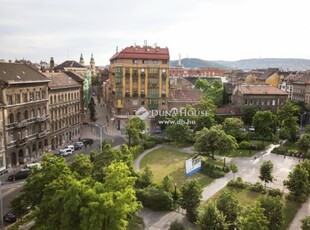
<point>38,112</point>
<point>33,114</point>
<point>44,111</point>
<point>51,99</point>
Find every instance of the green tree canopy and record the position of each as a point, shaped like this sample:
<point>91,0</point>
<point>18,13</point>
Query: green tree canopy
<point>214,139</point>
<point>211,218</point>
<point>134,130</point>
<point>191,196</point>
<point>254,219</point>
<point>305,223</point>
<point>248,113</point>
<point>228,204</point>
<point>273,210</point>
<point>304,144</point>
<point>266,170</point>
<point>265,123</point>
<point>213,90</point>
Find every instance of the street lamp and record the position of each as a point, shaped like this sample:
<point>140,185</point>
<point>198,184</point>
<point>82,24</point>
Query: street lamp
<point>101,130</point>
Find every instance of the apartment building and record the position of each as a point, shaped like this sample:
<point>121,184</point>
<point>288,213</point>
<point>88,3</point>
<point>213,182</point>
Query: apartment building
<point>64,108</point>
<point>24,98</point>
<point>265,97</point>
<point>139,76</point>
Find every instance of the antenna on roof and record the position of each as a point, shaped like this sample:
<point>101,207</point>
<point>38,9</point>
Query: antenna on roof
<point>116,49</point>
<point>145,42</point>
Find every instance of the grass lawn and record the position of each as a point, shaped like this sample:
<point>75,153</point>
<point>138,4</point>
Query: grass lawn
<point>165,162</point>
<point>179,145</point>
<point>247,197</point>
<point>290,145</point>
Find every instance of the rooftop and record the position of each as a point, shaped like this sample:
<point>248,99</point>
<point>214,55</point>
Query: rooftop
<point>261,89</point>
<point>60,80</point>
<point>142,52</point>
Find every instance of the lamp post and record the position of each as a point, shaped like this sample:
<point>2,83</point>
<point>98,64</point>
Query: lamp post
<point>101,130</point>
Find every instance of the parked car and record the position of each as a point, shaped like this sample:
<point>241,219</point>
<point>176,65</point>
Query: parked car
<point>252,129</point>
<point>23,174</point>
<point>65,152</point>
<point>157,131</point>
<point>71,147</point>
<point>78,145</point>
<point>10,217</point>
<point>87,141</point>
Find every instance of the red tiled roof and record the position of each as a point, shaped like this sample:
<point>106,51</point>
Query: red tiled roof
<point>145,52</point>
<point>185,95</point>
<point>261,89</point>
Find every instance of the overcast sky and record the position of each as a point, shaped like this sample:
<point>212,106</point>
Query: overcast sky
<point>206,29</point>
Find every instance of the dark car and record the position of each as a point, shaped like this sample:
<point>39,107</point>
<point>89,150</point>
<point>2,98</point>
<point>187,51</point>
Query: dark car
<point>10,217</point>
<point>87,141</point>
<point>20,175</point>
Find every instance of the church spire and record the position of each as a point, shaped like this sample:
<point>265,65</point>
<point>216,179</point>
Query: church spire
<point>82,60</point>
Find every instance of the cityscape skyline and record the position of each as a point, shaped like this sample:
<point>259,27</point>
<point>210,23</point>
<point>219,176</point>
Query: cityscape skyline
<point>209,30</point>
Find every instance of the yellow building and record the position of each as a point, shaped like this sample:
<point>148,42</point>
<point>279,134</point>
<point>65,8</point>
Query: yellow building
<point>139,76</point>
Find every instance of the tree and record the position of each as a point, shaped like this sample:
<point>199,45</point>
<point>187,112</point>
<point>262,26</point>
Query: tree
<point>266,170</point>
<point>176,225</point>
<point>304,144</point>
<point>297,183</point>
<point>307,129</point>
<point>92,109</point>
<point>273,210</point>
<point>167,184</point>
<point>305,223</point>
<point>288,120</point>
<point>146,177</point>
<point>228,204</point>
<point>254,219</point>
<point>234,169</point>
<point>232,126</point>
<point>214,139</point>
<point>180,133</point>
<point>248,113</point>
<point>265,123</point>
<point>213,90</point>
<point>81,166</point>
<point>134,130</point>
<point>32,192</point>
<point>191,196</point>
<point>211,218</point>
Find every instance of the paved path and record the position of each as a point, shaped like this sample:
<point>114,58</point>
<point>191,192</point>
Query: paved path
<point>248,169</point>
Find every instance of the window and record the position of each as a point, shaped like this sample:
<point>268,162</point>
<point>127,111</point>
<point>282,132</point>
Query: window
<point>19,117</point>
<point>17,98</point>
<point>164,62</point>
<point>9,99</point>
<point>134,102</point>
<point>43,94</point>
<point>155,62</point>
<point>11,118</point>
<point>38,95</point>
<point>144,61</point>
<point>31,96</point>
<point>25,97</point>
<point>245,102</point>
<point>273,102</point>
<point>134,61</point>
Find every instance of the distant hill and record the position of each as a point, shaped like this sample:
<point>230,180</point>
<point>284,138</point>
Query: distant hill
<point>247,64</point>
<point>197,63</point>
<point>264,63</point>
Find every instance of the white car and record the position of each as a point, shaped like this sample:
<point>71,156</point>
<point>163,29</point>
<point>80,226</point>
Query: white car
<point>65,152</point>
<point>71,147</point>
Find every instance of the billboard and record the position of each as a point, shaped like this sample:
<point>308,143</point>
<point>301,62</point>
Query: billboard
<point>192,166</point>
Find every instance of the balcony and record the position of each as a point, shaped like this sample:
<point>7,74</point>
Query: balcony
<point>163,95</point>
<point>127,74</point>
<point>135,94</point>
<point>41,119</point>
<point>153,106</point>
<point>127,94</point>
<point>22,141</point>
<point>142,94</point>
<point>41,134</point>
<point>21,124</point>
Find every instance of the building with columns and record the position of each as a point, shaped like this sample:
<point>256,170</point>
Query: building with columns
<point>139,76</point>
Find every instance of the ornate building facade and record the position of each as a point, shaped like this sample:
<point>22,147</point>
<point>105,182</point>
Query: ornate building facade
<point>64,108</point>
<point>24,95</point>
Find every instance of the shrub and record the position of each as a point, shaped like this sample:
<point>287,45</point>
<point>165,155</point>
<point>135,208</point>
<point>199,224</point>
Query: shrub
<point>238,183</point>
<point>257,187</point>
<point>148,144</point>
<point>213,171</point>
<point>176,225</point>
<point>275,192</point>
<point>155,198</point>
<point>280,150</point>
<point>136,150</point>
<point>226,169</point>
<point>244,145</point>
